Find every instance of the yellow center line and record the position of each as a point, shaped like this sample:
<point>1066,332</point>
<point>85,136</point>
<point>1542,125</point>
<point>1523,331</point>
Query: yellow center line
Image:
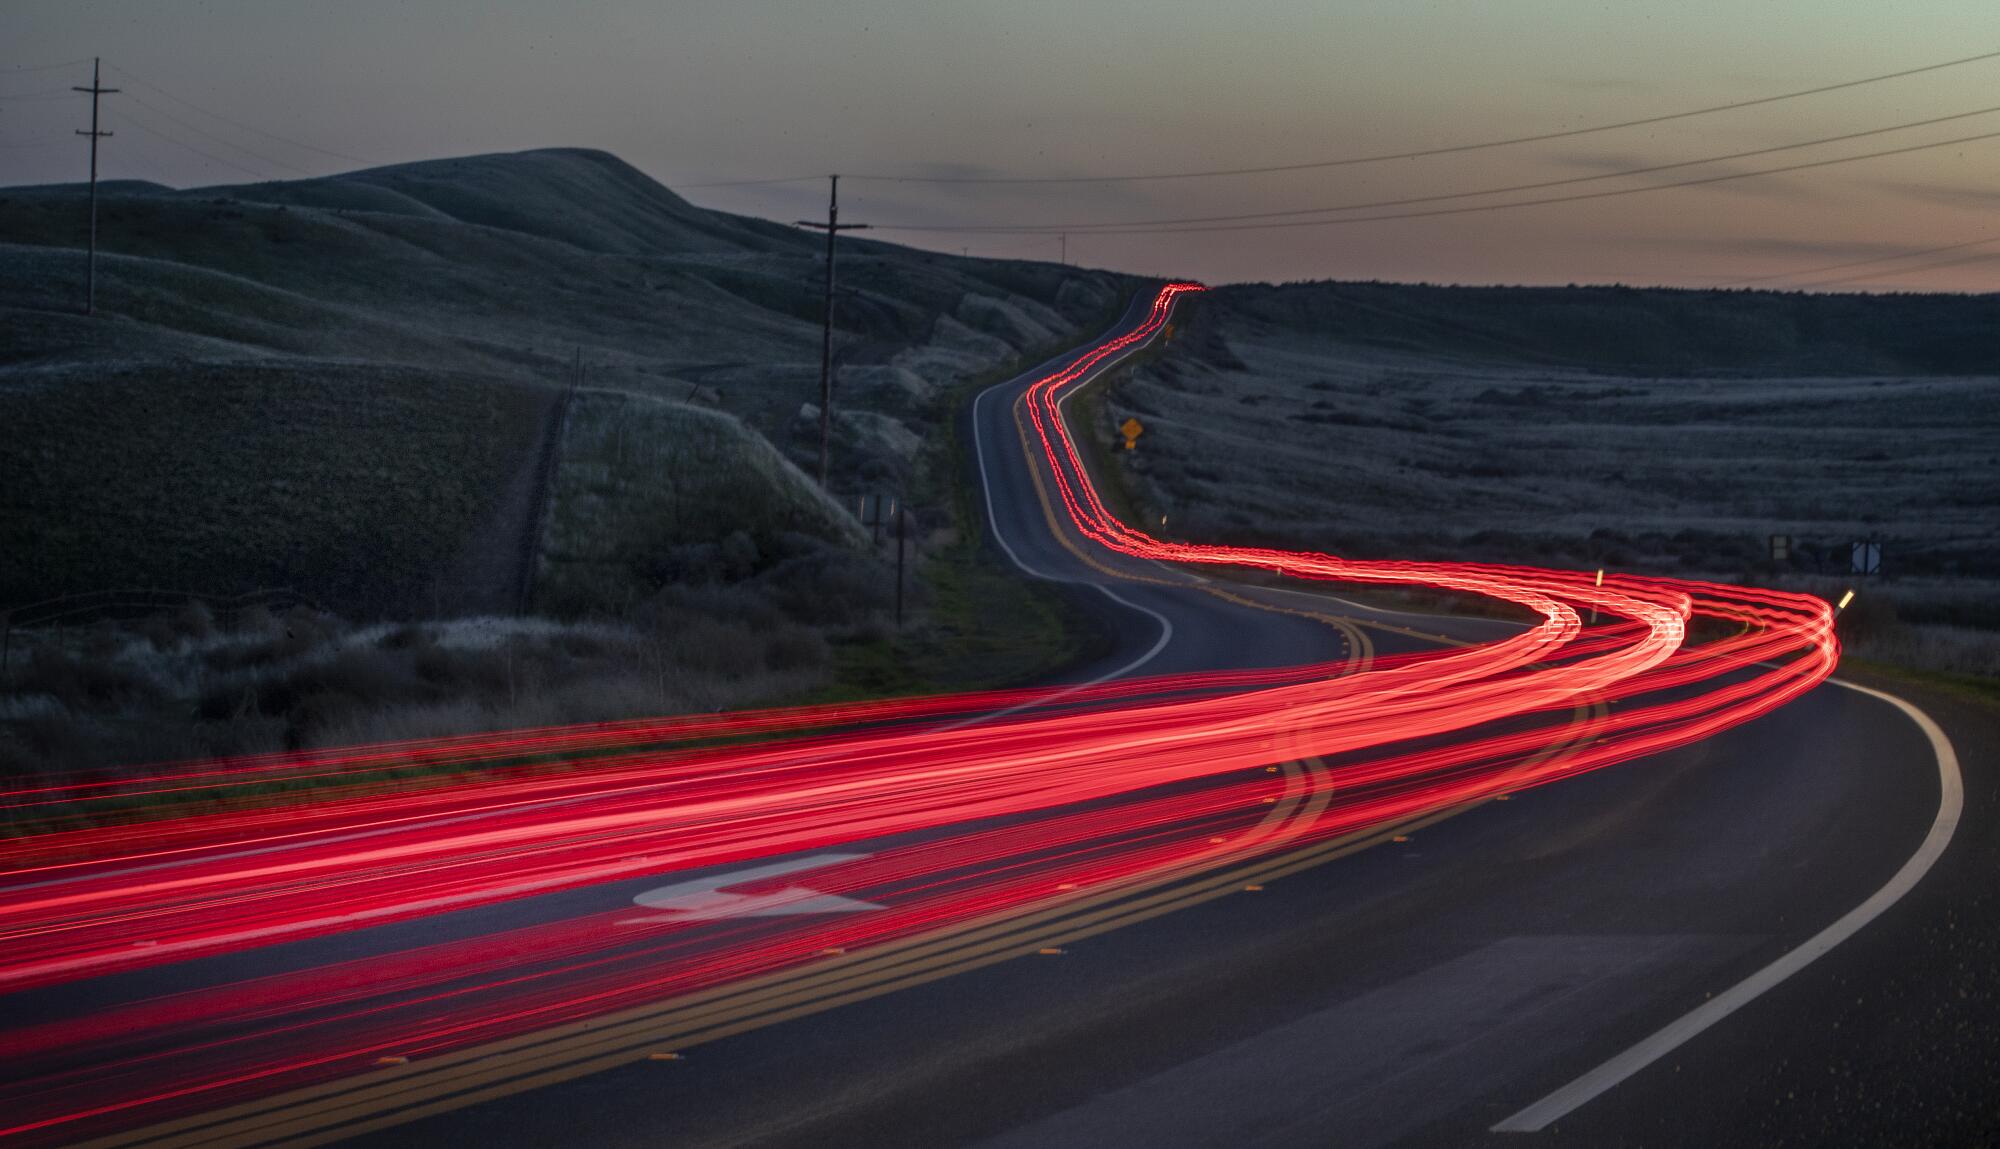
<point>362,1103</point>
<point>1362,650</point>
<point>986,934</point>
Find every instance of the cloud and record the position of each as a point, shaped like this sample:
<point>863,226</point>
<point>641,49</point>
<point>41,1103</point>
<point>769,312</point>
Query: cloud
<point>1791,188</point>
<point>1953,195</point>
<point>1601,161</point>
<point>1779,186</point>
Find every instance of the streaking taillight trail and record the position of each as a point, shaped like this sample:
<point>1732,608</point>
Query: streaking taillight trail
<point>1051,803</point>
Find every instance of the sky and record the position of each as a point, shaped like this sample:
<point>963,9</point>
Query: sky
<point>700,91</point>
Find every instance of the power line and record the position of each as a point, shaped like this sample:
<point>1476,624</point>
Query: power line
<point>1932,266</point>
<point>156,133</point>
<point>21,70</point>
<point>213,138</point>
<point>1408,201</point>
<point>1697,182</point>
<point>153,166</point>
<point>1034,242</point>
<point>749,183</point>
<point>1858,262</point>
<point>1419,153</point>
<point>148,84</point>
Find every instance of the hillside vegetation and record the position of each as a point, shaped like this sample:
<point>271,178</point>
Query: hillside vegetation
<point>1291,414</point>
<point>1638,331</point>
<point>506,268</point>
<point>354,388</point>
<point>652,493</point>
<point>240,475</point>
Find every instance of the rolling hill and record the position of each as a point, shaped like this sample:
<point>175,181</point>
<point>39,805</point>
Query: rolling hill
<point>474,284</point>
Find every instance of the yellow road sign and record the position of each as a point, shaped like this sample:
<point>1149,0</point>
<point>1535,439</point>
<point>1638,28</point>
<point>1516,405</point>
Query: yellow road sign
<point>1131,428</point>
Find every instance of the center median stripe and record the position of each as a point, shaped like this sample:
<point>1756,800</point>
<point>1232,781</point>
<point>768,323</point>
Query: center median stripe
<point>354,1105</point>
<point>607,1043</point>
<point>610,1049</point>
<point>700,1008</point>
<point>1362,651</point>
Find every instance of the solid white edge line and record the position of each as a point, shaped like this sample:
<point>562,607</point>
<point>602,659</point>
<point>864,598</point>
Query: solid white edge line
<point>1951,802</point>
<point>993,519</point>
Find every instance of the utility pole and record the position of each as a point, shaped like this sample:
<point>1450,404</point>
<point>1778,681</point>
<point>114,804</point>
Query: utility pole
<point>96,90</point>
<point>902,529</point>
<point>833,227</point>
<point>1065,249</point>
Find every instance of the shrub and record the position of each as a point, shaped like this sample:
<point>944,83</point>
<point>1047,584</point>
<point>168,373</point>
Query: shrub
<point>82,684</point>
<point>194,621</point>
<point>738,555</point>
<point>835,588</point>
<point>708,646</point>
<point>795,648</point>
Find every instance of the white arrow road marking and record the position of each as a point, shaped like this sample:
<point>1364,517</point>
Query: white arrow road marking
<point>703,899</point>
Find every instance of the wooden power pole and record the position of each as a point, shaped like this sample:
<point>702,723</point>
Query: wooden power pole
<point>96,90</point>
<point>833,226</point>
<point>902,531</point>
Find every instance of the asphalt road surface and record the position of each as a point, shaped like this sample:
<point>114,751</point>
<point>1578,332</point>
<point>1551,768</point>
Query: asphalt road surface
<point>1418,985</point>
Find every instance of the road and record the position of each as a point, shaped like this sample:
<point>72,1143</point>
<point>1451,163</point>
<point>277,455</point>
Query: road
<point>1245,971</point>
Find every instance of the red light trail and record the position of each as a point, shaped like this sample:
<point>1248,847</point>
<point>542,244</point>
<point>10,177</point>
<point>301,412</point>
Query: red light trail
<point>1051,802</point>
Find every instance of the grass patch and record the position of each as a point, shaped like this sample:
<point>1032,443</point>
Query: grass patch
<point>984,629</point>
<point>651,494</point>
<point>1975,688</point>
<point>982,625</point>
<point>97,704</point>
<point>350,484</point>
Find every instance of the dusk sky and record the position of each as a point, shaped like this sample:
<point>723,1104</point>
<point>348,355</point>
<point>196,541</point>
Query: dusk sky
<point>706,91</point>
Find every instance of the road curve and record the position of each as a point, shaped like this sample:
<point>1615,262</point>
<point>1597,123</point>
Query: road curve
<point>1251,969</point>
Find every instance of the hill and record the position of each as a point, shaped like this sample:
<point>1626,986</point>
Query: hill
<point>501,269</point>
<point>1657,431</point>
<point>1640,331</point>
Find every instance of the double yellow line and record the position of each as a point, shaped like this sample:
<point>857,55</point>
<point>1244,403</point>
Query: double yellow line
<point>387,1097</point>
<point>396,1095</point>
<point>1361,649</point>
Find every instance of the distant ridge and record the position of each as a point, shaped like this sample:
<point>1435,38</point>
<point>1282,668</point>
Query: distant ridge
<point>589,199</point>
<point>104,187</point>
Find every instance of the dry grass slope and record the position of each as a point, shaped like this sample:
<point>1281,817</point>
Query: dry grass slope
<point>352,483</point>
<point>651,493</point>
<point>1266,423</point>
<point>497,267</point>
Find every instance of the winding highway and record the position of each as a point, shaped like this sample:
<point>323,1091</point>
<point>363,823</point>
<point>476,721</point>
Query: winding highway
<point>1285,866</point>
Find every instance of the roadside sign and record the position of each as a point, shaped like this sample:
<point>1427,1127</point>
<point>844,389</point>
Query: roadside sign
<point>1131,428</point>
<point>1867,558</point>
<point>1781,548</point>
<point>875,510</point>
